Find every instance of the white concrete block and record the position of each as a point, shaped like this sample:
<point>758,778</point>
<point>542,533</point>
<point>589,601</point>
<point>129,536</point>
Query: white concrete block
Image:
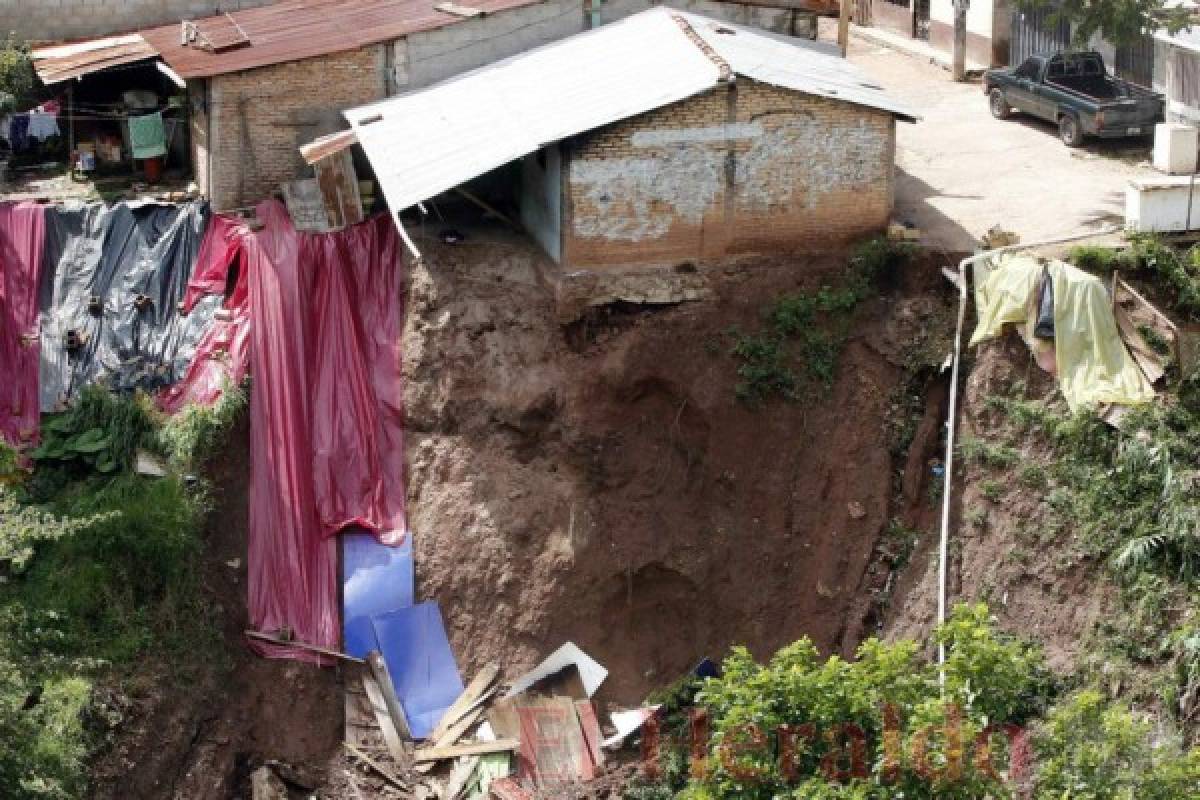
<point>1175,148</point>
<point>1162,204</point>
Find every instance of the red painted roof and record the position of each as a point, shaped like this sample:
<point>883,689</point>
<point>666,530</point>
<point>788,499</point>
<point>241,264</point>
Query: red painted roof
<point>292,30</point>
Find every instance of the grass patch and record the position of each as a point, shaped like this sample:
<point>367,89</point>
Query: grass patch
<point>795,354</point>
<point>98,572</point>
<point>1176,272</point>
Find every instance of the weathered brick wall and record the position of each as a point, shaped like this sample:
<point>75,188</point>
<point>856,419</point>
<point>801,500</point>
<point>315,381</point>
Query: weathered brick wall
<point>258,119</point>
<point>53,20</point>
<point>738,169</point>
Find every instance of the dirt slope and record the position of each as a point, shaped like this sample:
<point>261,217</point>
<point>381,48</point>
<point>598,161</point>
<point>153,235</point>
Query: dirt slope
<point>603,485</point>
<point>596,483</point>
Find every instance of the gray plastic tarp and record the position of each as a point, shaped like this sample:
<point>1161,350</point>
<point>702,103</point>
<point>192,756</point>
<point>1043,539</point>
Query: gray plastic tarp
<point>98,262</point>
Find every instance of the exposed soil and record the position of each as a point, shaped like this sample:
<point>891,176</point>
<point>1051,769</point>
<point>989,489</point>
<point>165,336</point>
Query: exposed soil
<point>597,483</point>
<point>1047,593</point>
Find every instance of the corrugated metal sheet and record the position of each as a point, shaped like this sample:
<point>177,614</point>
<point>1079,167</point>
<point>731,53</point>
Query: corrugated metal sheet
<point>293,30</point>
<point>428,141</point>
<point>63,62</point>
<point>809,67</point>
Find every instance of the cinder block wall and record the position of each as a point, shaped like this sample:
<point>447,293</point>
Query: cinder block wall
<point>739,169</point>
<point>53,20</point>
<point>259,118</point>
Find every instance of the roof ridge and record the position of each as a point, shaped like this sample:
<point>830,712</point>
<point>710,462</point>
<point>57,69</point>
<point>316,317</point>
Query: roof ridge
<point>726,71</point>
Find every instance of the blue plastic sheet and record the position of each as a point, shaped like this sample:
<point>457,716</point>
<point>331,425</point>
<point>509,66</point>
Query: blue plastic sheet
<point>414,645</point>
<point>376,579</point>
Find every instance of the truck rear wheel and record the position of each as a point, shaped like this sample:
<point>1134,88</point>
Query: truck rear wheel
<point>1070,131</point>
<point>999,106</point>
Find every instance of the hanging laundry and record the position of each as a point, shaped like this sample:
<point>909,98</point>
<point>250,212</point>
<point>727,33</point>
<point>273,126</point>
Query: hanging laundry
<point>43,125</point>
<point>148,136</point>
<point>5,127</point>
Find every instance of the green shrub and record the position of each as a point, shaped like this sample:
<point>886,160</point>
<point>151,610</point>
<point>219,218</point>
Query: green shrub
<point>17,77</point>
<point>197,433</point>
<point>989,677</point>
<point>99,432</point>
<point>797,328</point>
<point>1091,750</point>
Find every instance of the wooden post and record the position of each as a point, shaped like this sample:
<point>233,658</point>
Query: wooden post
<point>960,39</point>
<point>844,26</point>
<point>71,128</point>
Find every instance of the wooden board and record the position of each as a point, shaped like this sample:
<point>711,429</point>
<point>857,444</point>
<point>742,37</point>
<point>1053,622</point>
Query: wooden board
<point>472,749</point>
<point>338,183</point>
<point>554,751</point>
<point>399,751</point>
<point>476,689</point>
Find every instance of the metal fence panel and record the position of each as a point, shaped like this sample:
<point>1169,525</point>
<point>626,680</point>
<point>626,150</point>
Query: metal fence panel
<point>1034,31</point>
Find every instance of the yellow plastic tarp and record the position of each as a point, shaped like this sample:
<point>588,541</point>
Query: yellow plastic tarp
<point>1094,368</point>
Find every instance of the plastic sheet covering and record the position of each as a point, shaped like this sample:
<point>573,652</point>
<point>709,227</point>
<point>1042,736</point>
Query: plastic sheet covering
<point>422,667</point>
<point>113,279</point>
<point>222,356</point>
<point>377,578</point>
<point>220,250</point>
<point>21,243</point>
<point>1092,364</point>
<point>326,425</point>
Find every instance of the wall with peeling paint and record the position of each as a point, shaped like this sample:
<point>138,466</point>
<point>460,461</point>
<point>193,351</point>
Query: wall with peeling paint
<point>744,168</point>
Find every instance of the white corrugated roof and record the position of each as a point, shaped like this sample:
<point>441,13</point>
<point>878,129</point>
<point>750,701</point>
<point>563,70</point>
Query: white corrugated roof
<point>431,140</point>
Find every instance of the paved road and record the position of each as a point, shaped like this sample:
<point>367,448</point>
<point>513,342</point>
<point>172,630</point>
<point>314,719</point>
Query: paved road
<point>959,171</point>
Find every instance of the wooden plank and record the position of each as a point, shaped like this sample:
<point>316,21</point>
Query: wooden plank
<point>400,754</point>
<point>454,734</point>
<point>312,648</point>
<point>373,764</point>
<point>471,749</point>
<point>383,678</point>
<point>478,686</point>
<point>590,726</point>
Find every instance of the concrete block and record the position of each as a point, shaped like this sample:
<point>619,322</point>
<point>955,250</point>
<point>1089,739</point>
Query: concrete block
<point>1175,148</point>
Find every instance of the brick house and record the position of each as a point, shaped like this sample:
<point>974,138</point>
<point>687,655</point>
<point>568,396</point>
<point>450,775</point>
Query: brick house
<point>265,79</point>
<point>661,139</point>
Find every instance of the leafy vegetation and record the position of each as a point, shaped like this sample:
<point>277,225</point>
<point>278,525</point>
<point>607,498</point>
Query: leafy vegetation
<point>196,434</point>
<point>1129,491</point>
<point>797,328</point>
<point>17,78</point>
<point>97,570</point>
<point>883,726</point>
<point>1121,22</point>
<point>1173,272</point>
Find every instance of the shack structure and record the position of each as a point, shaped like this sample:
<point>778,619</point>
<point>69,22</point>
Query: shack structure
<point>658,140</point>
<point>261,81</point>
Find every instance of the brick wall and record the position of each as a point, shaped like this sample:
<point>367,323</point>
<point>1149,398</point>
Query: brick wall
<point>738,169</point>
<point>258,119</point>
<point>52,20</point>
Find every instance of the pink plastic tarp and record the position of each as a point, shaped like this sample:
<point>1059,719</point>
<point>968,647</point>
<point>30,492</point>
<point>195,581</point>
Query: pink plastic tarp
<point>22,237</point>
<point>222,355</point>
<point>326,417</point>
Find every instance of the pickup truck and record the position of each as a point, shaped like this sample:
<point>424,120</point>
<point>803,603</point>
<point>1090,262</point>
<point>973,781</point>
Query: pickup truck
<point>1074,91</point>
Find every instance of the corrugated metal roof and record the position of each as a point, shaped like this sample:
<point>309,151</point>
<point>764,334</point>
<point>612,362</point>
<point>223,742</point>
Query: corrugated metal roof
<point>65,61</point>
<point>292,30</point>
<point>431,140</point>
